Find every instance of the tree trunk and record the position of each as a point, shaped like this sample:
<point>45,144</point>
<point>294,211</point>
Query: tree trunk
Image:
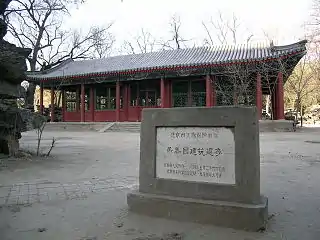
<point>268,103</point>
<point>59,99</point>
<point>29,102</point>
<point>301,118</point>
<point>299,109</point>
<point>30,96</point>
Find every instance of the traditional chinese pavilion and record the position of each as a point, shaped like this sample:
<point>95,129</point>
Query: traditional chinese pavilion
<point>118,88</point>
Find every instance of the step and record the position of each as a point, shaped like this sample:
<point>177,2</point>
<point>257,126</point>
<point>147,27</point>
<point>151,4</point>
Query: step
<point>125,127</point>
<point>70,126</point>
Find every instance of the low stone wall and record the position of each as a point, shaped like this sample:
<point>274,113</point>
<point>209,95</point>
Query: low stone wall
<point>264,126</point>
<point>276,126</point>
<point>76,126</point>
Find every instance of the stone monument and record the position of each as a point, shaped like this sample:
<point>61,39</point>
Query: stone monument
<point>12,73</point>
<point>201,165</point>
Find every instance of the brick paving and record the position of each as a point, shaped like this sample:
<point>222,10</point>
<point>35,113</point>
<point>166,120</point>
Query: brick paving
<point>26,193</point>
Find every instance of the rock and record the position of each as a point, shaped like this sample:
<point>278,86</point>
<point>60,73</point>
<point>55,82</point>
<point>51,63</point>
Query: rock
<point>4,147</point>
<point>261,230</point>
<point>170,236</point>
<point>13,144</point>
<point>89,238</point>
<point>12,73</point>
<point>13,62</point>
<point>42,229</point>
<point>23,154</point>
<point>119,225</point>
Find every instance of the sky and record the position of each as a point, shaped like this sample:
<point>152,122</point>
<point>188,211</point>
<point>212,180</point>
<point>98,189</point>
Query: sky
<point>281,20</point>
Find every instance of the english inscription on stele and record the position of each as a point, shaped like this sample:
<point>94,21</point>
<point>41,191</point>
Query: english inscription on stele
<point>196,154</point>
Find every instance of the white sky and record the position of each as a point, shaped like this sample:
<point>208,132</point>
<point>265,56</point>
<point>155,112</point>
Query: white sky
<point>282,19</point>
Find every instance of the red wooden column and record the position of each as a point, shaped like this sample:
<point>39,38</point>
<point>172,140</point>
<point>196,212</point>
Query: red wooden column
<point>41,97</point>
<point>52,104</point>
<point>138,103</point>
<point>77,99</point>
<point>163,93</point>
<point>168,86</point>
<point>82,107</point>
<point>274,104</point>
<point>63,104</point>
<point>92,99</point>
<point>208,91</point>
<point>118,101</point>
<point>280,96</point>
<point>129,101</point>
<point>259,95</point>
<point>214,94</point>
<point>129,97</point>
<point>126,102</point>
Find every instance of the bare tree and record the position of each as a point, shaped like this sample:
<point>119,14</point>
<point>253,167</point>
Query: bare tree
<point>96,43</point>
<point>269,80</point>
<point>235,85</point>
<point>303,85</point>
<point>143,42</point>
<point>102,41</point>
<point>176,41</point>
<point>314,24</point>
<point>223,30</point>
<point>36,24</point>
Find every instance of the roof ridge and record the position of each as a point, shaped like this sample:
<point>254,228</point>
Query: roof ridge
<point>171,59</point>
<point>49,70</point>
<point>301,43</point>
<point>222,46</point>
<point>63,63</point>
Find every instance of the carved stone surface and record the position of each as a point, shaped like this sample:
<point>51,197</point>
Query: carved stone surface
<point>196,154</point>
<point>201,169</point>
<point>12,73</point>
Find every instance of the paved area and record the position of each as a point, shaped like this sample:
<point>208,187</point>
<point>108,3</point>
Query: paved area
<point>24,194</point>
<point>80,191</point>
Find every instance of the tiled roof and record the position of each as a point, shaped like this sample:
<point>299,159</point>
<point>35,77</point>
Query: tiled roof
<point>169,60</point>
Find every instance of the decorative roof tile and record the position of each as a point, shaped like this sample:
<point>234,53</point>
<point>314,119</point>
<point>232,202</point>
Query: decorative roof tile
<point>185,58</point>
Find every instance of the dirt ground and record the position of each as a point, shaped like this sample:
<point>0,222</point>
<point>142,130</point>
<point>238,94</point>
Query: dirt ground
<point>80,191</point>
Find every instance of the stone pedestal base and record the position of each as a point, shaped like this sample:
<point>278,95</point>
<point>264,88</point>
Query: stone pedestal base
<point>248,217</point>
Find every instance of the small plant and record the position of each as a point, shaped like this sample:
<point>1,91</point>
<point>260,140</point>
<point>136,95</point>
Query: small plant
<point>52,146</point>
<point>39,123</point>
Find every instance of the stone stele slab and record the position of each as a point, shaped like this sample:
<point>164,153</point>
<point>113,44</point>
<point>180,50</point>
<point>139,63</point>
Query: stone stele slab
<point>201,165</point>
